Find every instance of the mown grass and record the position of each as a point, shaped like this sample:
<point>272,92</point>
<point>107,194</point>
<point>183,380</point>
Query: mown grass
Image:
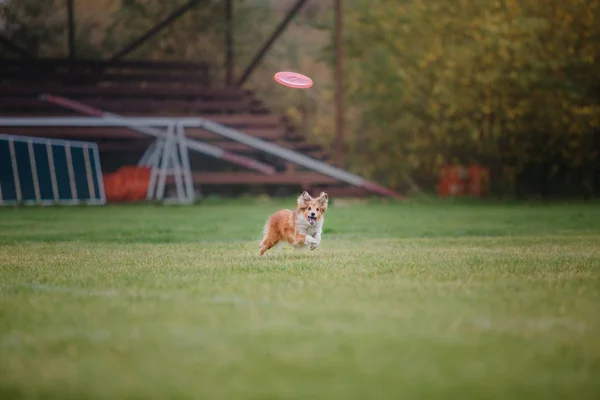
<point>400,301</point>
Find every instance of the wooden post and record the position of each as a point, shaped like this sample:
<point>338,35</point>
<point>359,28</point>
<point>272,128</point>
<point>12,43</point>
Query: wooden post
<point>71,18</point>
<point>229,42</point>
<point>339,112</point>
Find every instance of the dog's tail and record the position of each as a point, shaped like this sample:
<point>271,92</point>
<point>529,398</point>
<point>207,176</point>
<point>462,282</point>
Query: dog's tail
<point>265,232</point>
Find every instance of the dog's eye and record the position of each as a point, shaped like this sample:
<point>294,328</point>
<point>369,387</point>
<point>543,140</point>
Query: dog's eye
<point>309,208</point>
<point>317,209</point>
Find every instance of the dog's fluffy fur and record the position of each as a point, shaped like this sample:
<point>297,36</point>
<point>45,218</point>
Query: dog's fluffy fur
<point>300,227</point>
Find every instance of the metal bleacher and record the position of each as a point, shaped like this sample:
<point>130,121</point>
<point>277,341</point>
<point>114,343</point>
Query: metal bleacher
<point>151,88</point>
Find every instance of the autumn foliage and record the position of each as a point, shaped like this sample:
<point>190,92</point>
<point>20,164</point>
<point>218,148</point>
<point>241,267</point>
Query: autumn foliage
<point>512,85</point>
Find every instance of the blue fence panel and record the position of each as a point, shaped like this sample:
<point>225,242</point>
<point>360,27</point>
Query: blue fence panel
<point>7,180</point>
<point>25,172</point>
<point>80,173</point>
<point>96,177</point>
<point>57,177</point>
<point>62,172</point>
<point>40,150</point>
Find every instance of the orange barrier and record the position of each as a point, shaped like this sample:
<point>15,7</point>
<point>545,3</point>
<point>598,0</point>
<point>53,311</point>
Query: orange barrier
<point>451,181</point>
<point>128,184</point>
<point>479,181</point>
<point>459,181</point>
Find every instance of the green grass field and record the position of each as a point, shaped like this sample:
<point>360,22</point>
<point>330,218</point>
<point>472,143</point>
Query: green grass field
<point>401,301</point>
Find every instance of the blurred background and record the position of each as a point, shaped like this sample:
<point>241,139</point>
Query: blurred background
<point>444,97</point>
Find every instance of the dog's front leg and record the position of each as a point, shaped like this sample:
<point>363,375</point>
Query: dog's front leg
<point>303,240</point>
<point>317,238</point>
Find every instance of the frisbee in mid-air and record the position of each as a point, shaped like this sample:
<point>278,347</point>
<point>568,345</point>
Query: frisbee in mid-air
<point>293,80</point>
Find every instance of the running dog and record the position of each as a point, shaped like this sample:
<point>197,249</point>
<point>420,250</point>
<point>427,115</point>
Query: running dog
<point>301,227</point>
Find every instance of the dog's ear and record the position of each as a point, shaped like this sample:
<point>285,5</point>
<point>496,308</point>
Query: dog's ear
<point>303,198</point>
<point>323,200</point>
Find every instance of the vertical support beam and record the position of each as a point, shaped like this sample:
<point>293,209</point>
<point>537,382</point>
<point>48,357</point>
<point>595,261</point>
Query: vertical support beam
<point>71,172</point>
<point>339,83</point>
<point>71,18</point>
<point>229,42</point>
<point>154,164</point>
<point>55,194</point>
<point>175,170</point>
<point>165,162</point>
<point>98,176</point>
<point>34,174</point>
<point>88,172</point>
<point>15,168</point>
<point>261,53</point>
<point>185,163</point>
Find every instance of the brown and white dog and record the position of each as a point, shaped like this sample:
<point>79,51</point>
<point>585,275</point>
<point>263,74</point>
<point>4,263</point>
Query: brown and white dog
<point>300,227</point>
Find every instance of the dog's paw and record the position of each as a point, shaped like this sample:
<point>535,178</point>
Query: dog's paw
<point>314,243</point>
<point>311,240</point>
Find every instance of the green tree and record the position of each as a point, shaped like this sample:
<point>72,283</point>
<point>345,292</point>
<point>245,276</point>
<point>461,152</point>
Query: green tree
<point>504,83</point>
<point>106,26</point>
<point>36,26</point>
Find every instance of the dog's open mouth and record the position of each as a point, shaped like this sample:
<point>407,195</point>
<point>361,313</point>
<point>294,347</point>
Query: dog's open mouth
<point>312,220</point>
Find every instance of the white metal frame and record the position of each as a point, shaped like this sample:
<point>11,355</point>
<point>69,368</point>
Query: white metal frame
<point>192,144</point>
<point>67,144</point>
<point>168,155</point>
<point>166,142</point>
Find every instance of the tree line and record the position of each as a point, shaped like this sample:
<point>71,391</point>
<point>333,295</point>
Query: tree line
<point>508,84</point>
<point>511,85</point>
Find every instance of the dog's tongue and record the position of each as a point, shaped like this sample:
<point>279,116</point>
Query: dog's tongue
<point>312,220</point>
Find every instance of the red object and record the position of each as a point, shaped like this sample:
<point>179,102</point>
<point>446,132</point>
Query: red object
<point>459,181</point>
<point>443,182</point>
<point>453,184</point>
<point>479,180</point>
<point>128,184</point>
<point>293,80</point>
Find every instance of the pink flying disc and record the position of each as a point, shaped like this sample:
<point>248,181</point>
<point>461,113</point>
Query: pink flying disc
<point>293,80</point>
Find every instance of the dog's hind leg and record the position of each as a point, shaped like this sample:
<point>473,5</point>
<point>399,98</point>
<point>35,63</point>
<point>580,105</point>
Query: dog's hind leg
<point>265,233</point>
<point>270,239</point>
<point>266,244</point>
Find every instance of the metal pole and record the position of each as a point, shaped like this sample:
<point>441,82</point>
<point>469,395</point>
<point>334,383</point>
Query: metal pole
<point>15,168</point>
<point>71,17</point>
<point>185,163</point>
<point>34,172</point>
<point>339,109</point>
<point>229,41</point>
<point>55,194</point>
<point>261,53</point>
<point>154,162</point>
<point>167,152</point>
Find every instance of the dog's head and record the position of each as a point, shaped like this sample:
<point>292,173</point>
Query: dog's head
<point>312,209</point>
